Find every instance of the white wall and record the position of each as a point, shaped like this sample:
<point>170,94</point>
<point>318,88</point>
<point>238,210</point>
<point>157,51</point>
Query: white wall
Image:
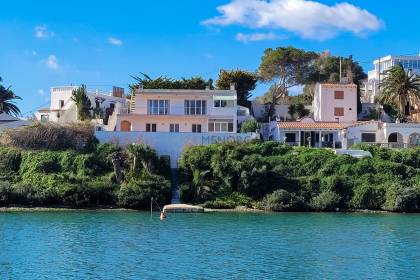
<point>324,102</point>
<point>171,144</point>
<point>354,133</point>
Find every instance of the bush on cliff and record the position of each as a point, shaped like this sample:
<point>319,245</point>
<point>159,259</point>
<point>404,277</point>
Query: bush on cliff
<point>74,178</point>
<point>316,177</point>
<point>326,201</point>
<point>137,192</point>
<point>50,136</point>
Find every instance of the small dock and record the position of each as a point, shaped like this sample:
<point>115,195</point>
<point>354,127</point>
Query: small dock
<point>182,208</point>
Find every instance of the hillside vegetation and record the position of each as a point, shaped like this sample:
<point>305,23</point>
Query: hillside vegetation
<point>271,176</point>
<point>66,166</point>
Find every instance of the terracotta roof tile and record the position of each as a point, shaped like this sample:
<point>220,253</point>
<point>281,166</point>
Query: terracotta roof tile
<point>315,125</point>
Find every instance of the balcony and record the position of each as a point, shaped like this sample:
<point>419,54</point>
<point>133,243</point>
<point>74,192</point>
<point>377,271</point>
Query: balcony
<point>171,111</point>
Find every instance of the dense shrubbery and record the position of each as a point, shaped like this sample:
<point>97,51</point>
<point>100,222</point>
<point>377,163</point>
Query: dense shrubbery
<point>283,178</point>
<point>51,136</point>
<point>105,176</point>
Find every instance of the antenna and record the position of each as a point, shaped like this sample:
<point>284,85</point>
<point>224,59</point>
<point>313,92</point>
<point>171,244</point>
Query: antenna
<point>340,70</point>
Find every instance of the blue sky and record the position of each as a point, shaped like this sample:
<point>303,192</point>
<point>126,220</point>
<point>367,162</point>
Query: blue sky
<point>47,43</point>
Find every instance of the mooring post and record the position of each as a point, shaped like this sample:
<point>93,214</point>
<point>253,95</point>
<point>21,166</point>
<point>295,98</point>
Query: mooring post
<point>151,206</point>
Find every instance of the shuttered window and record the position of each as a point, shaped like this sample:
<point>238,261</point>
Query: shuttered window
<point>338,111</point>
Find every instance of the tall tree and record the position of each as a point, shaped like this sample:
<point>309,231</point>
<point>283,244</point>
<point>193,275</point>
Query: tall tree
<point>244,81</point>
<point>7,101</point>
<point>283,68</point>
<point>400,88</point>
<point>79,96</point>
<point>326,68</point>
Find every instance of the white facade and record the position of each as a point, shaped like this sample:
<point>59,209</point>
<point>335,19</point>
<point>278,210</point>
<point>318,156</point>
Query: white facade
<point>370,87</point>
<point>63,109</point>
<point>171,144</point>
<point>335,102</point>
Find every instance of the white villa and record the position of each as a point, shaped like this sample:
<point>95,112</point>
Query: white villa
<point>334,124</point>
<point>63,109</point>
<point>170,120</point>
<point>185,110</point>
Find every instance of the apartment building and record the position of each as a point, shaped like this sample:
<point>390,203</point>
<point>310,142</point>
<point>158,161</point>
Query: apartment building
<point>370,87</point>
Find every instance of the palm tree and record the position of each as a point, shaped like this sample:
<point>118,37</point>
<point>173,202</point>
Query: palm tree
<point>198,181</point>
<point>7,98</point>
<point>399,88</point>
<point>141,154</point>
<point>79,96</point>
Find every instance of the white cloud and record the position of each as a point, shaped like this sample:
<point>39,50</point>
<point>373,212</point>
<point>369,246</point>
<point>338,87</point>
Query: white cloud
<point>41,92</point>
<point>251,37</point>
<point>42,32</point>
<point>307,19</point>
<point>115,41</point>
<point>52,62</point>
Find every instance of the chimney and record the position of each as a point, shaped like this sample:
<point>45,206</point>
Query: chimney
<point>117,92</point>
<point>232,86</point>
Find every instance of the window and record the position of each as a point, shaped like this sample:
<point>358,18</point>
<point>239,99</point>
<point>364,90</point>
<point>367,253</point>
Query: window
<point>220,125</point>
<point>150,127</point>
<point>174,127</point>
<point>339,94</point>
<point>223,103</point>
<point>61,104</point>
<point>195,107</point>
<point>157,107</point>
<point>45,118</point>
<point>290,137</point>
<point>338,111</point>
<point>369,137</point>
<point>196,128</point>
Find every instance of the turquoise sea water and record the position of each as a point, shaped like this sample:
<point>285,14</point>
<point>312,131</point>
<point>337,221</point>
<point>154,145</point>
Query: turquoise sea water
<point>132,245</point>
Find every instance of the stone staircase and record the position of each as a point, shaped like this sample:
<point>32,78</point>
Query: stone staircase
<point>175,186</point>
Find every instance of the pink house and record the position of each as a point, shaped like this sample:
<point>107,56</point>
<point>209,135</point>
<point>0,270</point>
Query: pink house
<point>335,102</point>
<point>184,110</point>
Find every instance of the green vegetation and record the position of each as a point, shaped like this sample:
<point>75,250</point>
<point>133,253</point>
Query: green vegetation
<point>286,67</point>
<point>250,125</point>
<point>163,82</point>
<point>298,109</point>
<point>61,173</point>
<point>84,107</point>
<point>244,81</point>
<point>7,101</point>
<point>271,176</point>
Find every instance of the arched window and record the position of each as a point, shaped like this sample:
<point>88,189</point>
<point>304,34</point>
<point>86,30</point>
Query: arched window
<point>125,126</point>
<point>395,138</point>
